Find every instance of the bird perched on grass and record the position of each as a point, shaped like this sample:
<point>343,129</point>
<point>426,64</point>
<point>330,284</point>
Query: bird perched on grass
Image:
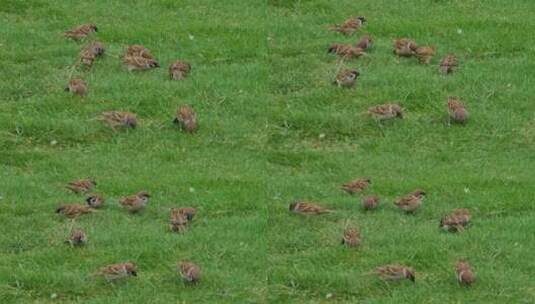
<point>350,26</point>
<point>138,50</point>
<point>465,275</point>
<point>95,201</point>
<point>119,119</point>
<point>81,31</point>
<point>395,273</point>
<point>351,237</point>
<point>186,118</point>
<point>180,218</point>
<point>370,202</point>
<point>411,202</point>
<point>424,53</point>
<point>448,64</point>
<point>346,51</point>
<point>457,220</point>
<point>77,237</point>
<point>117,271</point>
<point>307,208</point>
<point>457,111</point>
<point>189,212</point>
<point>87,57</point>
<point>73,210</point>
<point>81,185</point>
<point>179,70</point>
<point>404,47</point>
<point>189,272</point>
<point>357,185</point>
<point>77,86</point>
<point>346,78</point>
<point>365,42</point>
<point>136,202</point>
<point>386,111</point>
<point>139,58</point>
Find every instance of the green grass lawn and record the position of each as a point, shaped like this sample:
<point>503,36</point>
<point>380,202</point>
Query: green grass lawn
<point>273,129</point>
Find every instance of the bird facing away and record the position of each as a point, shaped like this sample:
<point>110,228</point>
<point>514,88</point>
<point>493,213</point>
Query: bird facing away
<point>395,273</point>
<point>386,111</point>
<point>186,118</point>
<point>179,70</point>
<point>351,237</point>
<point>307,208</point>
<point>365,43</point>
<point>73,210</point>
<point>424,53</point>
<point>95,201</point>
<point>404,47</point>
<point>189,272</point>
<point>119,119</point>
<point>411,202</point>
<point>346,78</point>
<point>464,272</point>
<point>346,51</point>
<point>136,202</point>
<point>81,185</point>
<point>456,221</point>
<point>457,111</point>
<point>77,237</point>
<point>370,202</point>
<point>81,31</point>
<point>357,185</point>
<point>77,86</point>
<point>350,26</point>
<point>448,64</point>
<point>117,271</point>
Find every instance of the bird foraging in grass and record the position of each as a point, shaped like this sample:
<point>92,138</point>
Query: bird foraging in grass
<point>81,185</point>
<point>395,273</point>
<point>77,237</point>
<point>95,201</point>
<point>186,118</point>
<point>365,42</point>
<point>346,78</point>
<point>351,237</point>
<point>370,202</point>
<point>81,31</point>
<point>346,51</point>
<point>307,208</point>
<point>119,119</point>
<point>179,70</point>
<point>138,63</point>
<point>465,275</point>
<point>457,111</point>
<point>448,64</point>
<point>77,86</point>
<point>138,50</point>
<point>456,221</point>
<point>350,26</point>
<point>189,272</point>
<point>386,111</point>
<point>73,210</point>
<point>424,53</point>
<point>180,218</point>
<point>117,271</point>
<point>357,185</point>
<point>136,202</point>
<point>404,47</point>
<point>90,52</point>
<point>411,202</point>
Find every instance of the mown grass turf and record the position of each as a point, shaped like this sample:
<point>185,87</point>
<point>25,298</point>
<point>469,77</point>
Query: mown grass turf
<point>272,129</point>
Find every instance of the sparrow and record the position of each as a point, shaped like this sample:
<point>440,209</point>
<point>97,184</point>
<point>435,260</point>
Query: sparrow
<point>135,203</point>
<point>395,273</point>
<point>138,50</point>
<point>87,57</point>
<point>404,47</point>
<point>356,186</point>
<point>73,210</point>
<point>117,271</point>
<point>189,212</point>
<point>411,202</point>
<point>190,272</point>
<point>457,111</point>
<point>365,42</point>
<point>179,70</point>
<point>81,31</point>
<point>457,220</point>
<point>120,119</point>
<point>307,208</point>
<point>346,51</point>
<point>186,118</point>
<point>346,78</point>
<point>77,238</point>
<point>77,86</point>
<point>95,201</point>
<point>139,63</point>
<point>370,202</point>
<point>386,111</point>
<point>464,272</point>
<point>81,185</point>
<point>351,237</point>
<point>179,221</point>
<point>424,53</point>
<point>349,26</point>
<point>448,64</point>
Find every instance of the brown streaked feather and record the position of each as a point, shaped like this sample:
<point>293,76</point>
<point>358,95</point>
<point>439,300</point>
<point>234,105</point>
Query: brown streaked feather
<point>186,118</point>
<point>77,237</point>
<point>121,119</point>
<point>351,237</point>
<point>457,111</point>
<point>465,274</point>
<point>448,64</point>
<point>117,271</point>
<point>190,272</point>
<point>370,202</point>
<point>404,47</point>
<point>356,186</point>
<point>73,210</point>
<point>179,70</point>
<point>395,272</point>
<point>308,208</point>
<point>81,31</point>
<point>81,185</point>
<point>386,111</point>
<point>77,86</point>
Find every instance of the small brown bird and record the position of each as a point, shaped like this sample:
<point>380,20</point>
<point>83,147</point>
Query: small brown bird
<point>350,26</point>
<point>189,212</point>
<point>186,118</point>
<point>81,31</point>
<point>179,221</point>
<point>365,43</point>
<point>87,57</point>
<point>138,50</point>
<point>346,51</point>
<point>370,202</point>
<point>411,202</point>
<point>448,64</point>
<point>386,111</point>
<point>73,210</point>
<point>464,272</point>
<point>190,272</point>
<point>95,201</point>
<point>81,185</point>
<point>77,238</point>
<point>424,53</point>
<point>346,78</point>
<point>117,271</point>
<point>404,47</point>
<point>395,273</point>
<point>77,86</point>
<point>179,70</point>
<point>456,221</point>
<point>457,111</point>
<point>139,63</point>
<point>135,203</point>
<point>357,185</point>
<point>351,237</point>
<point>119,119</point>
<point>307,208</point>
